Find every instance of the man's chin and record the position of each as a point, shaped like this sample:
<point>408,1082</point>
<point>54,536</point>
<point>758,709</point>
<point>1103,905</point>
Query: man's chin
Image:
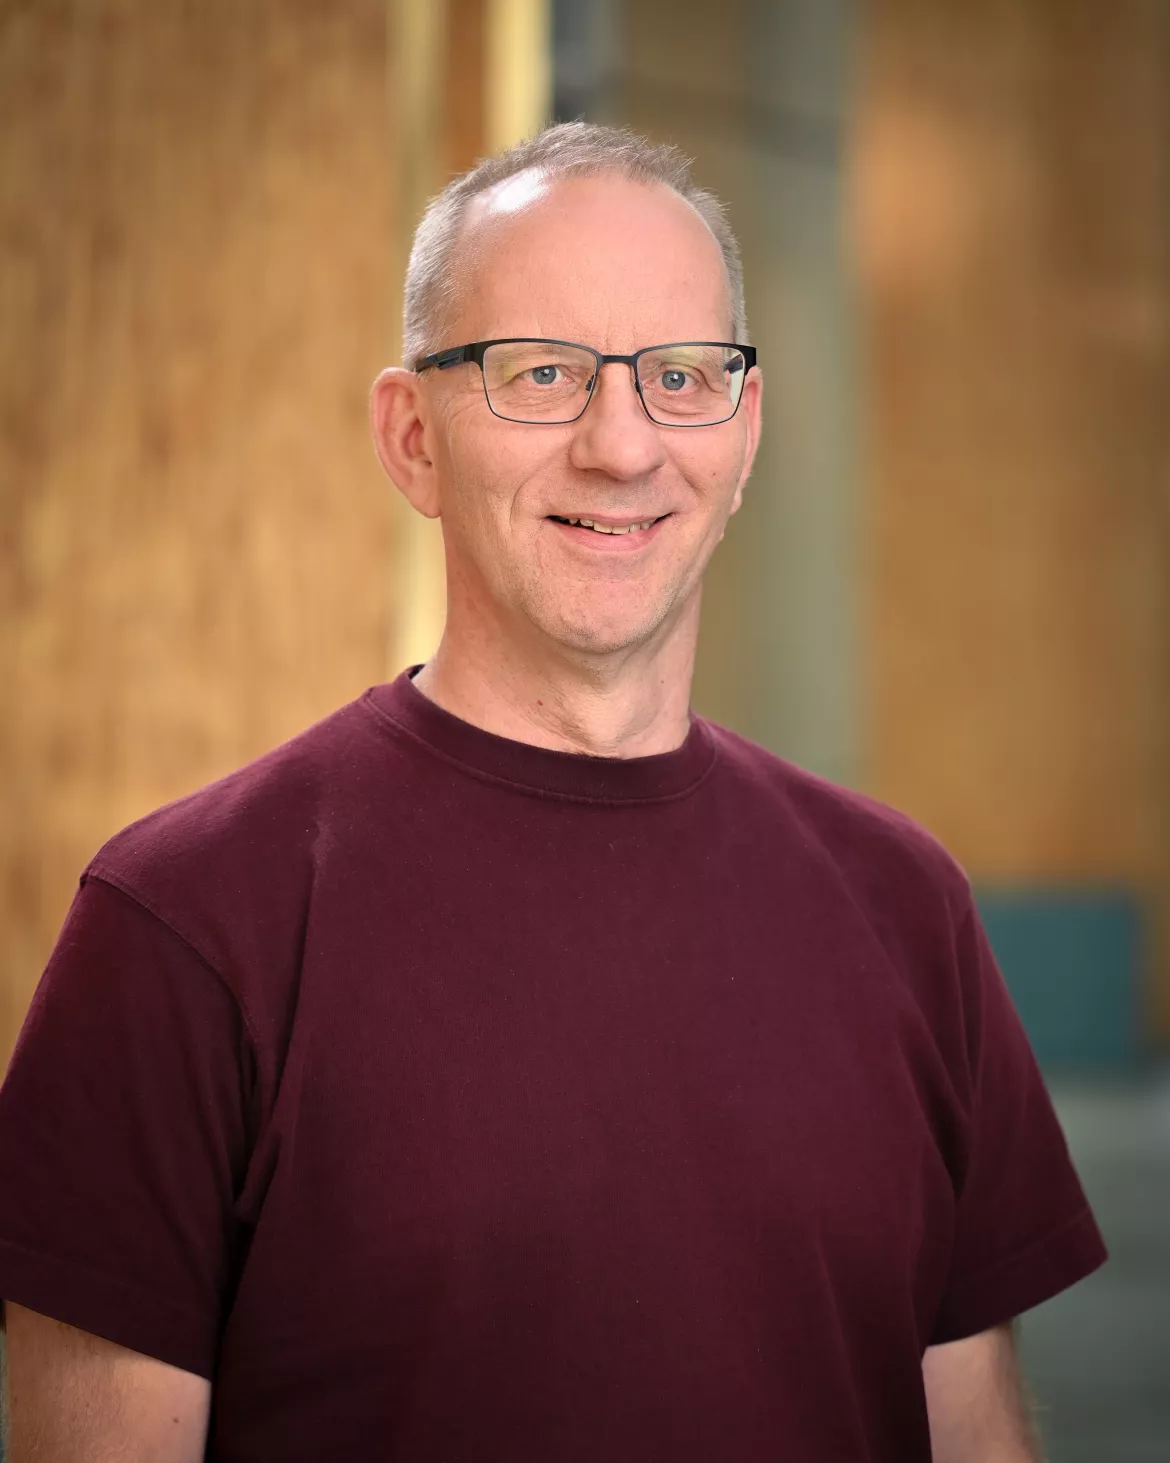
<point>603,635</point>
<point>605,623</point>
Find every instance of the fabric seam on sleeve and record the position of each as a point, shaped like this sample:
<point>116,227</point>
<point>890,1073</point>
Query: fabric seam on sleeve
<point>64,1266</point>
<point>103,876</point>
<point>1021,1252</point>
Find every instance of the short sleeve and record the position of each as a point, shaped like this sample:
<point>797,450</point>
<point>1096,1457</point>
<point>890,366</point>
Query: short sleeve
<point>123,1136</point>
<point>1023,1227</point>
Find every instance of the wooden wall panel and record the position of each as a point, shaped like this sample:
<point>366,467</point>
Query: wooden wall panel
<point>195,219</point>
<point>464,85</point>
<point>1013,219</point>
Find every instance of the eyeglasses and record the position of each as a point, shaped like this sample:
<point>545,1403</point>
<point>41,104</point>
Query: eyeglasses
<point>692,383</point>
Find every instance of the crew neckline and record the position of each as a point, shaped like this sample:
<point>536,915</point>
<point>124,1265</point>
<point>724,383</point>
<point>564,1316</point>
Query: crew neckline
<point>576,775</point>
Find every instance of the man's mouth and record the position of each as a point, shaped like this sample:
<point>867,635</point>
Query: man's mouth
<point>619,526</point>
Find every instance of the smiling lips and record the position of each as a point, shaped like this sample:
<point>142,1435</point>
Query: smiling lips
<point>598,526</point>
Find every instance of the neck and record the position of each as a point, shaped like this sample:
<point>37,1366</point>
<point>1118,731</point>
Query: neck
<point>628,703</point>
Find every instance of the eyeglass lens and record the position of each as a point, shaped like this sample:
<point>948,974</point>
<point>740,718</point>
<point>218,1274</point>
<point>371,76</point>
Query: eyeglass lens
<point>682,385</point>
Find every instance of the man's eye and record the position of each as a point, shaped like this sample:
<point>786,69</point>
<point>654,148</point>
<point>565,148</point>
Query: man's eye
<point>673,379</point>
<point>544,375</point>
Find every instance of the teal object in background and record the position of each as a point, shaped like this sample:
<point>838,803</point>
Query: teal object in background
<point>1073,961</point>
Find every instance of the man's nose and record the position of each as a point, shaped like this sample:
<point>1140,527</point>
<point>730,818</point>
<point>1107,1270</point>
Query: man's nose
<point>615,436</point>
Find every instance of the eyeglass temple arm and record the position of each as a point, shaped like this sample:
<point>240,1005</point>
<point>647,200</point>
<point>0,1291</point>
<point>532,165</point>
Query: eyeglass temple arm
<point>442,359</point>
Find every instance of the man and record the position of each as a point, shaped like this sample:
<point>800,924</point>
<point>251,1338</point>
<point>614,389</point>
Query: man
<point>516,1066</point>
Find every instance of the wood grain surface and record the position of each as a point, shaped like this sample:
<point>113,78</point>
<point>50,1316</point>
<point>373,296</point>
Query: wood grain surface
<point>195,224</point>
<point>1012,227</point>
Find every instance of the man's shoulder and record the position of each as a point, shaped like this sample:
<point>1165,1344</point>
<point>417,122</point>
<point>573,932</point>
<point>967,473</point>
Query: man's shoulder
<point>258,824</point>
<point>874,845</point>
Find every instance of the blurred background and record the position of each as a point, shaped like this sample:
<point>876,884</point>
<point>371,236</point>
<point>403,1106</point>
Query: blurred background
<point>950,583</point>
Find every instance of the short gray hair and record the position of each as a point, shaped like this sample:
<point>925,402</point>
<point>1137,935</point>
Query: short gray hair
<point>567,150</point>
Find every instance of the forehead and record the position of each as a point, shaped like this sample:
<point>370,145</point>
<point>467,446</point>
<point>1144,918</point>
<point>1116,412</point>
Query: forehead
<point>604,260</point>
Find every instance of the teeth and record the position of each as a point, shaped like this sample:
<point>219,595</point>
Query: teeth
<point>604,528</point>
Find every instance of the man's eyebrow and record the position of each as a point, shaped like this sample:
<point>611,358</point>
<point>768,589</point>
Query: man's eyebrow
<point>512,349</point>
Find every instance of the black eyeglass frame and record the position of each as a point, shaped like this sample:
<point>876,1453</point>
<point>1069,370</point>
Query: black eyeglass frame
<point>457,355</point>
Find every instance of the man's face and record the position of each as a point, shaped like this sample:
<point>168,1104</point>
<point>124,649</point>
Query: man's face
<point>617,266</point>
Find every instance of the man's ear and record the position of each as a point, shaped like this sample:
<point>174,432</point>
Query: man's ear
<point>399,417</point>
<point>753,391</point>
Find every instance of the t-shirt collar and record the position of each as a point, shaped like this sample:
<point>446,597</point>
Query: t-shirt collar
<point>575,775</point>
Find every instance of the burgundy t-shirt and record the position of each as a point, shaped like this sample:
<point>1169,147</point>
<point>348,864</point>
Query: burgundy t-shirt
<point>442,1097</point>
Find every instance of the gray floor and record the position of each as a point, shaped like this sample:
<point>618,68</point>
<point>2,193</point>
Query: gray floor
<point>1098,1356</point>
